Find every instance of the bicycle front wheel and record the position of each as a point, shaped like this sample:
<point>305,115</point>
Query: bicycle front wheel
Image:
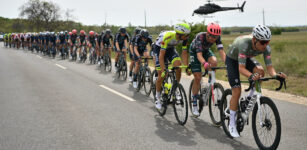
<point>214,102</point>
<point>180,104</point>
<point>267,135</point>
<point>153,78</point>
<point>147,81</point>
<point>123,70</point>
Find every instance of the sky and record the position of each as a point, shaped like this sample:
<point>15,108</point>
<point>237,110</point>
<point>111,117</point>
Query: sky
<point>170,12</point>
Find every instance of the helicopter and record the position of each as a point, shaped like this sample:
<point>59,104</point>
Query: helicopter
<point>210,8</point>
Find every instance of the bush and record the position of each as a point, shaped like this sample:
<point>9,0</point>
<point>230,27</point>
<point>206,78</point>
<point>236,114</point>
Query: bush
<point>226,32</point>
<point>276,31</point>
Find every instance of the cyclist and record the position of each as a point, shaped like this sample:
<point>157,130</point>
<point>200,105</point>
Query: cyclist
<point>239,60</point>
<point>165,50</point>
<point>82,41</point>
<point>107,42</point>
<point>201,54</point>
<point>140,49</point>
<point>136,32</point>
<point>121,44</point>
<point>92,40</point>
<point>52,43</point>
<point>99,49</point>
<point>73,40</point>
<point>62,42</point>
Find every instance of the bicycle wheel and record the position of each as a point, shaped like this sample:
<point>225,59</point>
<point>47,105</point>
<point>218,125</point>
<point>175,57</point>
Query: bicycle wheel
<point>139,80</point>
<point>164,104</point>
<point>108,64</point>
<point>180,104</point>
<point>200,102</point>
<point>225,112</point>
<point>147,81</point>
<point>153,78</point>
<point>124,70</point>
<point>267,136</point>
<point>214,102</point>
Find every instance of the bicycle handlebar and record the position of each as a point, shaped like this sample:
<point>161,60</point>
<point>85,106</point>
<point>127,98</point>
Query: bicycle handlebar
<point>212,68</point>
<point>282,82</point>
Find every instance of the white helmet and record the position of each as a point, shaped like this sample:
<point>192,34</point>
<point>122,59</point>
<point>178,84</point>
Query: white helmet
<point>261,32</point>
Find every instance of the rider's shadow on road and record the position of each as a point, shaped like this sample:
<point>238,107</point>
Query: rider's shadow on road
<point>173,132</point>
<point>210,132</point>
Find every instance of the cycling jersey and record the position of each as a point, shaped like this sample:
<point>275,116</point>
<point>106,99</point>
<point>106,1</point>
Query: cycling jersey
<point>201,45</point>
<point>167,39</point>
<point>121,40</point>
<point>106,40</point>
<point>141,44</point>
<point>82,38</point>
<point>73,38</point>
<point>241,49</point>
<point>92,40</point>
<point>62,39</point>
<point>241,52</point>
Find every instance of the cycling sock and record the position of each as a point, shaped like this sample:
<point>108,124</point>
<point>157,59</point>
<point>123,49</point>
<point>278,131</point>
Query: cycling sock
<point>194,99</point>
<point>134,77</point>
<point>232,118</point>
<point>130,73</point>
<point>158,95</point>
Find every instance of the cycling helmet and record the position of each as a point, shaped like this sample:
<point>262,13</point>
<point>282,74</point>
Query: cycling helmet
<point>214,29</point>
<point>261,32</point>
<point>82,32</point>
<point>91,32</point>
<point>66,32</point>
<point>108,31</point>
<point>74,31</point>
<point>61,32</point>
<point>144,33</point>
<point>182,28</point>
<point>137,30</point>
<point>70,33</point>
<point>122,30</point>
<point>102,32</point>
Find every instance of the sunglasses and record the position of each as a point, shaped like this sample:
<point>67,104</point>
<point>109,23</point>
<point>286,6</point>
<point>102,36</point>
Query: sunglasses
<point>264,42</point>
<point>213,36</point>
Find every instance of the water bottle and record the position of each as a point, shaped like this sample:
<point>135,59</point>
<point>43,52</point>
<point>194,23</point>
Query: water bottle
<point>167,87</point>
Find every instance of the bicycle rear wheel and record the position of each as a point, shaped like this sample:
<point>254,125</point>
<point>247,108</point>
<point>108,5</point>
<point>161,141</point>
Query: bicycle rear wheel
<point>147,81</point>
<point>180,104</point>
<point>214,102</point>
<point>267,136</point>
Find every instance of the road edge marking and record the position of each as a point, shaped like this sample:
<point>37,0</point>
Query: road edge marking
<point>117,93</point>
<point>61,66</point>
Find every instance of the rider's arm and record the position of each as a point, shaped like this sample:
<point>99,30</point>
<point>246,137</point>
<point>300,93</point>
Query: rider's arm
<point>161,59</point>
<point>184,57</point>
<point>126,43</point>
<point>136,52</point>
<point>222,54</point>
<point>200,58</point>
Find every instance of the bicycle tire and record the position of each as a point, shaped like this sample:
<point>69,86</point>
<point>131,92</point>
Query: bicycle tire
<point>153,85</point>
<point>270,103</point>
<point>147,81</point>
<point>181,103</point>
<point>225,120</point>
<point>214,110</point>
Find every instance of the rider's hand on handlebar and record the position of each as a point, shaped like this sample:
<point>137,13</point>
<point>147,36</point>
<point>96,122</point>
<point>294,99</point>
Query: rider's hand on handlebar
<point>254,77</point>
<point>281,75</point>
<point>206,65</point>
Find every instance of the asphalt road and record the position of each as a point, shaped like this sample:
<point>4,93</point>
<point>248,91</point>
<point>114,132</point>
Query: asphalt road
<point>54,104</point>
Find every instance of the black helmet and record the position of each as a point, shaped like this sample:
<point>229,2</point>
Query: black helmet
<point>144,33</point>
<point>108,31</point>
<point>122,30</point>
<point>137,30</point>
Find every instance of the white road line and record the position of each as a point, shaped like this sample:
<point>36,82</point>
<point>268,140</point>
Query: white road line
<point>60,66</point>
<point>39,56</point>
<point>117,93</point>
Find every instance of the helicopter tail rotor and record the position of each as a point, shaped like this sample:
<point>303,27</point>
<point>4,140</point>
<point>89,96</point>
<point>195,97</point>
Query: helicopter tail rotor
<point>242,7</point>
